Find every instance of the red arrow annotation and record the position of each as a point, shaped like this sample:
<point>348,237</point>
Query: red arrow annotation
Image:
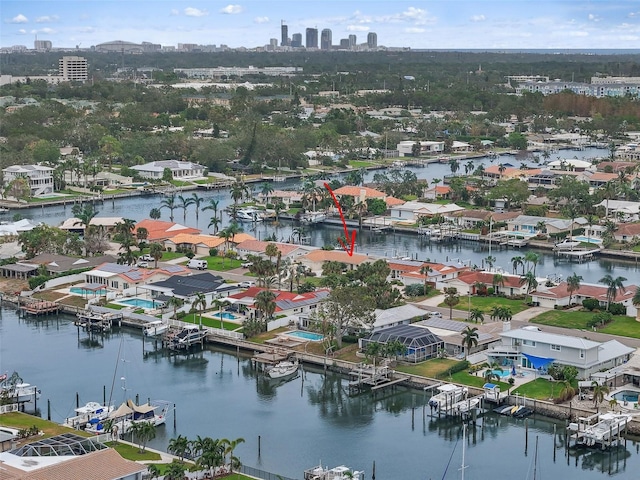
<point>352,242</point>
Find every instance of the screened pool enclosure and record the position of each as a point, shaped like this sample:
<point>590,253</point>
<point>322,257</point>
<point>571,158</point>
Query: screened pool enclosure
<point>420,343</point>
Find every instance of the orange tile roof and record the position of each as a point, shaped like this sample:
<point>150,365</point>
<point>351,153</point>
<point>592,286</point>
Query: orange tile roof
<point>487,278</point>
<point>161,230</point>
<point>320,255</point>
<point>603,177</point>
<point>242,237</point>
<point>354,191</point>
<point>393,201</point>
<point>592,291</point>
<point>628,229</point>
<point>208,240</point>
<point>259,246</point>
<point>283,298</point>
<point>100,465</point>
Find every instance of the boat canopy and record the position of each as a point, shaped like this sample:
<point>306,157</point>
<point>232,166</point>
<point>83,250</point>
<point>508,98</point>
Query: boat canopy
<point>140,408</point>
<point>122,411</point>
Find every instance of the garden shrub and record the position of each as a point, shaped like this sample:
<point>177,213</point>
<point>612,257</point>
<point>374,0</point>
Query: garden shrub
<point>458,367</point>
<point>617,309</point>
<point>590,304</point>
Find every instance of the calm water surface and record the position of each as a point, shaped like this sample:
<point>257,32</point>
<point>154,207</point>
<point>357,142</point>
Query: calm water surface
<point>301,422</point>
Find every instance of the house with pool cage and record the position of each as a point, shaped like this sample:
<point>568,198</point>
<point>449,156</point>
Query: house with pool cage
<point>420,344</point>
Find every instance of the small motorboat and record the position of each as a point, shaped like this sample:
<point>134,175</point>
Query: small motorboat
<point>155,328</point>
<point>283,369</point>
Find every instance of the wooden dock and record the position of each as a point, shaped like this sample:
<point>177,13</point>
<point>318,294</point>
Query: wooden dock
<point>602,430</point>
<point>93,321</point>
<point>368,377</point>
<point>40,307</point>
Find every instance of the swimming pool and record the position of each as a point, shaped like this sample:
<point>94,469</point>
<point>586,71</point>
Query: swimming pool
<point>226,316</point>
<point>84,291</point>
<point>140,303</point>
<point>582,238</point>
<point>501,373</point>
<point>310,336</point>
<point>626,396</point>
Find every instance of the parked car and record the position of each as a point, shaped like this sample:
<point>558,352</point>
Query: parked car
<point>246,264</point>
<point>434,314</point>
<point>246,284</point>
<point>143,264</point>
<point>146,258</point>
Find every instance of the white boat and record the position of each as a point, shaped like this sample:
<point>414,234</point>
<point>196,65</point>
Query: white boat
<point>283,369</point>
<point>313,217</point>
<point>448,394</point>
<point>336,473</point>
<point>567,245</point>
<point>13,388</point>
<point>186,337</point>
<point>128,414</point>
<point>155,328</point>
<point>92,412</point>
<point>249,214</point>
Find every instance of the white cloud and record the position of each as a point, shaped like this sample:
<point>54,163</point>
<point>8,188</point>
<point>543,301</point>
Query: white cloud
<point>47,19</point>
<point>86,29</point>
<point>261,20</point>
<point>415,30</point>
<point>19,19</point>
<point>418,15</point>
<point>174,12</point>
<point>578,33</point>
<point>47,30</point>
<point>478,18</point>
<point>231,9</point>
<point>195,12</point>
<point>357,28</point>
<point>593,18</point>
<point>22,31</point>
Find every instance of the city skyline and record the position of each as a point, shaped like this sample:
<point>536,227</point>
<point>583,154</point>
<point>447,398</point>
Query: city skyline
<point>450,24</point>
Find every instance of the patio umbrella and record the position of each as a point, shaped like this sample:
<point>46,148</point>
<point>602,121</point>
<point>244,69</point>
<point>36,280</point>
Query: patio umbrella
<point>513,370</point>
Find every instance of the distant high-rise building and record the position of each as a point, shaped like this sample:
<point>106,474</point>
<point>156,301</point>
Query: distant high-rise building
<point>372,40</point>
<point>284,34</point>
<point>312,38</point>
<point>42,45</point>
<point>273,43</point>
<point>325,39</point>
<point>352,41</point>
<point>73,69</point>
<point>344,44</point>
<point>296,40</point>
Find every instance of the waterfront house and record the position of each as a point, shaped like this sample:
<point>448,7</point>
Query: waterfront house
<point>419,342</point>
<point>53,264</point>
<point>413,211</point>
<point>571,164</point>
<point>124,278</point>
<point>626,232</point>
<point>558,296</point>
<point>496,172</point>
<point>402,315</point>
<point>408,147</point>
<point>74,224</point>
<point>531,347</point>
<point>621,210</point>
<point>435,273</point>
<point>68,456</point>
<point>179,170</point>
<point>198,244</point>
<point>187,287</point>
<point>315,259</point>
<point>39,177</point>
<point>361,194</point>
<point>450,331</point>
<point>291,307</point>
<point>159,230</point>
<point>532,225</point>
<point>468,283</point>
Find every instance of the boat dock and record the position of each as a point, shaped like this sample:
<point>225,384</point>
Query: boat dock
<point>183,338</point>
<point>579,255</point>
<point>40,307</point>
<point>94,321</point>
<point>369,377</point>
<point>601,430</point>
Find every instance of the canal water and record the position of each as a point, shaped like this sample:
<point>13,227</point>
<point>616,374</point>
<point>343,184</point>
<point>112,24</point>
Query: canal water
<point>292,425</point>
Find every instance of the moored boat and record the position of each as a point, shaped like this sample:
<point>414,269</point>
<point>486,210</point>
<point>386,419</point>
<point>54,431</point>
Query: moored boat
<point>447,395</point>
<point>91,412</point>
<point>283,369</point>
<point>155,328</point>
<point>336,473</point>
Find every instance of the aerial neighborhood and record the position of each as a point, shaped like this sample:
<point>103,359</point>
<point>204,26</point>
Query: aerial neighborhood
<point>482,232</point>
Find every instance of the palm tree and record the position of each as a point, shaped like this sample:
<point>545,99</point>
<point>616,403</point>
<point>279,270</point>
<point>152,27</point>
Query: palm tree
<point>175,471</point>
<point>469,339</point>
<point>200,304</point>
<point>573,284</point>
<point>214,222</point>
<point>517,261</point>
<point>476,315</point>
<point>176,303</point>
<point>496,312</point>
<point>231,446</point>
<point>155,250</point>
<point>170,203</point>
<point>490,260</point>
<point>497,280</point>
<point>599,391</point>
<point>184,205</point>
<point>197,201</point>
<point>424,270</point>
<point>212,454</point>
<point>266,190</point>
<point>451,299</point>
<point>614,285</point>
<point>271,250</point>
<point>179,446</point>
<point>239,191</point>
<point>155,214</point>
<point>153,470</point>
<point>265,303</point>
<point>533,259</point>
<point>212,205</point>
<point>530,281</point>
<point>143,431</point>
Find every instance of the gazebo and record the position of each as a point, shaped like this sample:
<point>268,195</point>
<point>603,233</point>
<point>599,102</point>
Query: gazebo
<point>420,343</point>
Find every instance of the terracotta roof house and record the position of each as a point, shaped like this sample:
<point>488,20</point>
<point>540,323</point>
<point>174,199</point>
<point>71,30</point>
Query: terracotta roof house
<point>615,166</point>
<point>295,307</point>
<point>438,273</point>
<point>198,244</point>
<point>438,192</point>
<point>160,230</point>
<point>102,464</point>
<point>124,277</point>
<point>626,231</point>
<point>108,223</point>
<point>466,282</point>
<point>558,296</point>
<point>598,179</point>
<point>316,258</point>
<point>493,172</point>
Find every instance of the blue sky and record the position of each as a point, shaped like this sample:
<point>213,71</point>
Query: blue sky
<point>498,24</point>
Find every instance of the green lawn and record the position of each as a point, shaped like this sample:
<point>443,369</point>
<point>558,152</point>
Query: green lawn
<point>131,452</point>
<point>222,264</point>
<point>621,324</point>
<point>171,256</point>
<point>21,421</point>
<point>540,389</point>
<point>210,322</point>
<point>430,369</point>
<point>465,378</point>
<point>115,306</point>
<point>486,304</point>
<point>359,163</point>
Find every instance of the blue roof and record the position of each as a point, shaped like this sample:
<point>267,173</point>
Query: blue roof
<point>538,362</point>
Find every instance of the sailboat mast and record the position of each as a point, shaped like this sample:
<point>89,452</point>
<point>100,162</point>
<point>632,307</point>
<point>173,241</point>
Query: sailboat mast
<point>535,460</point>
<point>464,446</point>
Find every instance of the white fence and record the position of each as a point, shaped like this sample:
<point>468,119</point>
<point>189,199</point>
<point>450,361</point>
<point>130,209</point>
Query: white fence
<point>13,407</point>
<point>56,282</point>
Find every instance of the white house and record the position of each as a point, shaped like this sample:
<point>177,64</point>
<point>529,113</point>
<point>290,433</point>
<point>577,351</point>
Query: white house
<point>530,347</point>
<point>414,210</point>
<point>558,296</point>
<point>179,170</point>
<point>572,164</point>
<point>40,177</point>
<point>405,147</point>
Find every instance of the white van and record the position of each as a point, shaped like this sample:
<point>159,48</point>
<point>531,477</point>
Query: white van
<point>197,264</point>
